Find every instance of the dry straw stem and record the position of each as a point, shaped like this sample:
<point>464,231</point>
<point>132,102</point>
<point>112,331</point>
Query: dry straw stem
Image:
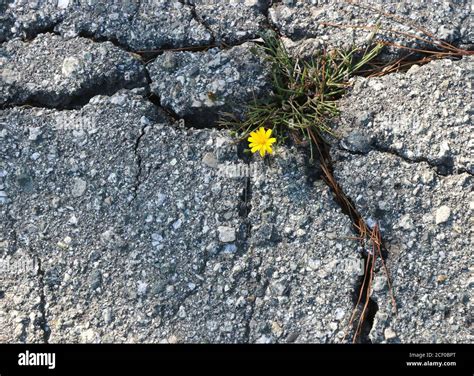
<point>305,98</point>
<point>442,49</point>
<point>305,92</point>
<point>367,237</point>
<point>413,25</point>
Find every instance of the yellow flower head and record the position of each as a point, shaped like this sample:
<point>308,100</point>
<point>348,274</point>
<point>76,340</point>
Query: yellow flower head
<point>260,141</point>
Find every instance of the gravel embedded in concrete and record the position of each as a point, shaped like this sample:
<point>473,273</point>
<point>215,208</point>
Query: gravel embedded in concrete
<point>423,114</point>
<point>122,224</point>
<point>232,22</point>
<point>150,25</point>
<point>302,245</point>
<point>26,19</point>
<point>425,221</point>
<point>21,318</point>
<point>404,161</point>
<point>147,241</point>
<point>342,24</point>
<point>197,85</point>
<point>53,72</point>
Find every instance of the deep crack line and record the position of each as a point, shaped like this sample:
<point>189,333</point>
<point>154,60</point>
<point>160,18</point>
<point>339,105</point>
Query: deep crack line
<point>43,319</point>
<point>245,233</point>
<point>139,161</point>
<point>199,20</point>
<point>29,36</point>
<point>440,168</point>
<point>251,300</point>
<point>363,284</point>
<point>49,29</point>
<point>365,307</point>
<point>75,101</point>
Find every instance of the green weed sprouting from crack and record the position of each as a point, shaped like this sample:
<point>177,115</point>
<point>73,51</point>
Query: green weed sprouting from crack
<point>302,105</point>
<point>304,101</point>
<point>305,93</point>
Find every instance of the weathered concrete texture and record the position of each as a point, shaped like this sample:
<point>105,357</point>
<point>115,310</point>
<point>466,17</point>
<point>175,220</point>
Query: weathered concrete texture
<point>118,225</point>
<point>188,239</point>
<point>232,22</point>
<point>424,114</point>
<point>135,25</point>
<point>298,19</point>
<point>146,25</point>
<point>20,293</point>
<point>26,19</point>
<point>426,222</point>
<point>67,180</point>
<point>215,276</point>
<point>144,233</point>
<point>51,71</point>
<point>308,262</point>
<point>407,131</point>
<point>197,85</point>
<point>124,215</point>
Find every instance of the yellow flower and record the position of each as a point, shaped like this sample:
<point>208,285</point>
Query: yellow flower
<point>260,141</point>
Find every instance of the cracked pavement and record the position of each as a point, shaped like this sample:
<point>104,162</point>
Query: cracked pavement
<point>123,223</point>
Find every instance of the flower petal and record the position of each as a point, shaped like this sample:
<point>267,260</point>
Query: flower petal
<point>272,140</point>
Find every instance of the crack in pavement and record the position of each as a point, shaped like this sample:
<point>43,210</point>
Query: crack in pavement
<point>441,168</point>
<point>43,319</point>
<point>49,29</point>
<point>199,20</point>
<point>245,232</point>
<point>344,202</point>
<point>253,298</point>
<point>76,101</point>
<point>139,160</point>
<point>347,206</point>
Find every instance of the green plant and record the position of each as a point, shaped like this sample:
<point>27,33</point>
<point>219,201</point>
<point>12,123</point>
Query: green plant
<point>305,92</point>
